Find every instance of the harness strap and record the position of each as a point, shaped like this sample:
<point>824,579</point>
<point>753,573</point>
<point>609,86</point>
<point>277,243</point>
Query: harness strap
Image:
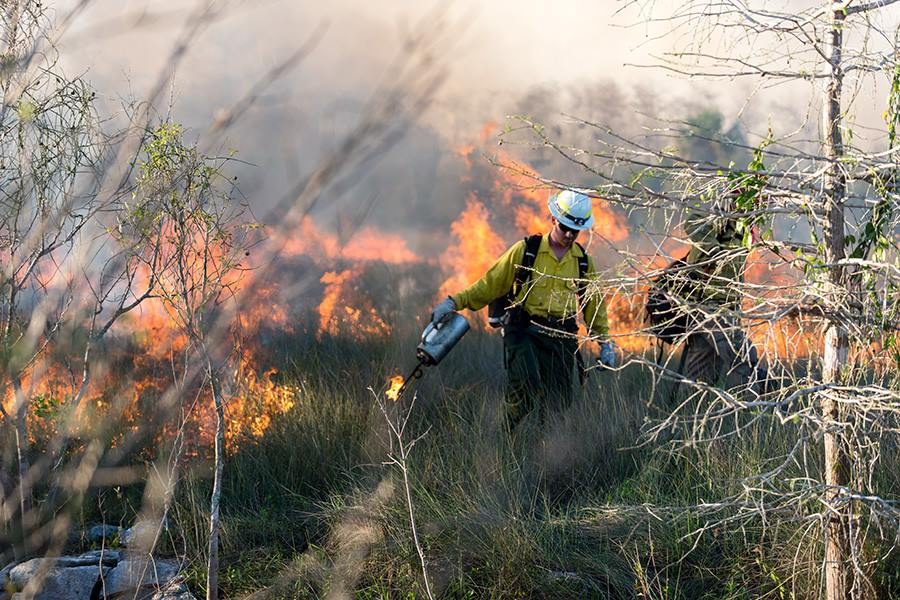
<point>524,269</point>
<point>582,272</point>
<point>523,274</point>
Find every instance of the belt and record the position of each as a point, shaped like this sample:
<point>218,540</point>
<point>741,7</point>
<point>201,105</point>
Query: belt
<point>520,320</point>
<point>569,324</point>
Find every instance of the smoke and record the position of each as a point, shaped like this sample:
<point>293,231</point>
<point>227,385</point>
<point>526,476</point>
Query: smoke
<point>505,58</point>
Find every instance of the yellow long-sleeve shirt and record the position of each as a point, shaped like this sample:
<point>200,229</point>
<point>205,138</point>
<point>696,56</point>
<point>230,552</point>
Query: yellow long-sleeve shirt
<point>552,288</point>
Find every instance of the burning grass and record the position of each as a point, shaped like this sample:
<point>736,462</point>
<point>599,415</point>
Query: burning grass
<point>557,512</point>
<point>125,393</point>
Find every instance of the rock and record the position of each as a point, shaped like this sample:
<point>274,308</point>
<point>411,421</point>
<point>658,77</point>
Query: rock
<point>4,578</point>
<point>133,573</point>
<point>176,590</point>
<point>20,574</point>
<point>98,533</point>
<point>23,572</point>
<point>78,577</point>
<point>109,557</point>
<point>140,535</point>
<point>4,572</point>
<point>58,583</point>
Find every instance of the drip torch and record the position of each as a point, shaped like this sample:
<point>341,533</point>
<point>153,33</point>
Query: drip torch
<point>437,340</point>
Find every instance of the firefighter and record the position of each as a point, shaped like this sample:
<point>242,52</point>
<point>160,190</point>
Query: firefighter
<point>540,282</point>
<point>716,347</point>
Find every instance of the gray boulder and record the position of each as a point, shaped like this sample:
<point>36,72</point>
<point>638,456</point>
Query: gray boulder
<point>4,572</point>
<point>141,535</point>
<point>57,583</point>
<point>98,533</point>
<point>76,577</point>
<point>108,557</point>
<point>4,577</point>
<point>134,573</point>
<point>24,572</point>
<point>176,590</point>
<point>21,573</point>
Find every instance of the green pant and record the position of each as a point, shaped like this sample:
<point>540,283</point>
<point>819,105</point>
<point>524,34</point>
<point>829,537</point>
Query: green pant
<point>540,370</point>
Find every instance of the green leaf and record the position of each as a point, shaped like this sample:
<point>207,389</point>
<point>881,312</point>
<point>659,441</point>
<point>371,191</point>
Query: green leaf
<point>26,111</point>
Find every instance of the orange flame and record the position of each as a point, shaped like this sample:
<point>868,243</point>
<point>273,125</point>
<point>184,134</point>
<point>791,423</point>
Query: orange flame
<point>520,180</point>
<point>369,244</point>
<point>788,337</point>
<point>522,201</point>
<point>338,315</point>
<point>344,309</point>
<point>465,153</point>
<point>476,248</point>
<point>479,236</point>
<point>250,412</point>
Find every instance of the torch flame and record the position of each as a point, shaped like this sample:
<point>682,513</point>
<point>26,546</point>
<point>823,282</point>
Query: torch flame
<point>393,392</point>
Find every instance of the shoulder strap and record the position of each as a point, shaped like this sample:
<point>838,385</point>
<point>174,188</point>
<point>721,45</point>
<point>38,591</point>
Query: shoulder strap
<point>582,262</point>
<point>523,273</point>
<point>582,271</point>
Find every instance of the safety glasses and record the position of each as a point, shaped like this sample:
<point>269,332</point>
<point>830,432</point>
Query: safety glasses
<point>565,229</point>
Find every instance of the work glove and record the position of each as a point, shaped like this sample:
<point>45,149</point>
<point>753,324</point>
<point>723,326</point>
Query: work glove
<point>607,355</point>
<point>443,309</point>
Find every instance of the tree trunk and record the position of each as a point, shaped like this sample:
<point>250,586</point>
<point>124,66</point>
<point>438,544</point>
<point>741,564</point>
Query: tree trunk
<point>22,451</point>
<point>212,577</point>
<point>838,574</point>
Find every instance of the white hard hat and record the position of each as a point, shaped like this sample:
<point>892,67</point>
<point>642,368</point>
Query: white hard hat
<point>571,209</point>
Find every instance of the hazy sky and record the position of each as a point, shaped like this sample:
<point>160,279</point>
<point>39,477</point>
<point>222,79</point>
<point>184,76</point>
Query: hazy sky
<point>501,44</point>
<point>499,49</point>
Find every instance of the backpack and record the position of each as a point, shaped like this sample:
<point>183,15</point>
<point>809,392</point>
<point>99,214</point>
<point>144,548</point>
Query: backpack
<point>498,310</point>
<point>666,316</point>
